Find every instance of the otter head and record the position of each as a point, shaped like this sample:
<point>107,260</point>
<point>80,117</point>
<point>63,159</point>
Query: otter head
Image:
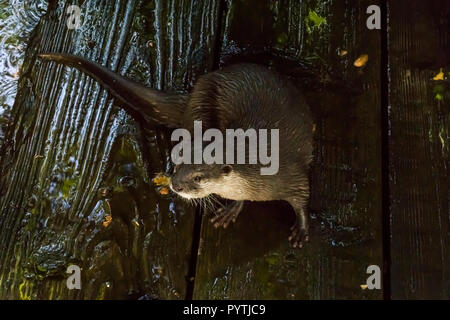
<point>198,180</point>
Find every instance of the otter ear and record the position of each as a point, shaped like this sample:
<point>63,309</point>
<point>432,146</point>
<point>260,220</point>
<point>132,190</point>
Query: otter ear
<point>226,169</point>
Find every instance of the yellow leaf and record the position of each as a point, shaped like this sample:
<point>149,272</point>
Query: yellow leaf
<point>161,180</point>
<point>164,191</point>
<point>439,76</point>
<point>108,220</point>
<point>361,60</point>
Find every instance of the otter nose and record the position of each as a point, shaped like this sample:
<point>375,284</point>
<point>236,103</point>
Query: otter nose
<point>177,187</point>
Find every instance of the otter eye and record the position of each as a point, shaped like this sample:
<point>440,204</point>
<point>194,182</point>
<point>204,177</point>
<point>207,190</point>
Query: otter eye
<point>197,179</point>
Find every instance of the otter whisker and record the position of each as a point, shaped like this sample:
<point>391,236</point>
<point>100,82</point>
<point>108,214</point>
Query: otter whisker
<point>217,201</point>
<point>204,204</point>
<point>208,204</point>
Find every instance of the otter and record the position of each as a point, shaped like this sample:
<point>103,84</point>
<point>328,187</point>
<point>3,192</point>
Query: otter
<point>238,96</point>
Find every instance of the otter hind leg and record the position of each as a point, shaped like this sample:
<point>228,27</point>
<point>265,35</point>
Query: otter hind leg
<point>227,214</point>
<point>300,230</point>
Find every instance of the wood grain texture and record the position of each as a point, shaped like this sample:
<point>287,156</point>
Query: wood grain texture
<point>73,158</point>
<point>252,258</point>
<point>419,149</point>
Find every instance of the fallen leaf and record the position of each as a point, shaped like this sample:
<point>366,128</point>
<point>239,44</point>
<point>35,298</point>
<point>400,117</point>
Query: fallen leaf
<point>164,191</point>
<point>316,19</point>
<point>439,76</point>
<point>161,180</point>
<point>108,220</point>
<point>342,52</point>
<point>361,60</point>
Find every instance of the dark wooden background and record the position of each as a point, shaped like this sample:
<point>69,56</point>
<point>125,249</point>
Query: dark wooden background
<point>379,178</point>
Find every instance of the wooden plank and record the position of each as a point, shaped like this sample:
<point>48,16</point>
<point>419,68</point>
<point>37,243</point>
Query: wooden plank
<point>252,259</point>
<point>73,159</point>
<point>419,150</point>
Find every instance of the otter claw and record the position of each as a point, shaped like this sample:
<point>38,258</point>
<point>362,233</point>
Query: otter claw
<point>298,236</point>
<point>226,215</point>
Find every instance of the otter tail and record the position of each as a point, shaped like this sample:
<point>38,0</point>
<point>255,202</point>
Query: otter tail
<point>150,105</point>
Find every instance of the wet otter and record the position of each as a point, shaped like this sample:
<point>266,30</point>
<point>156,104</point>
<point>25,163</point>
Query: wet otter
<point>239,96</point>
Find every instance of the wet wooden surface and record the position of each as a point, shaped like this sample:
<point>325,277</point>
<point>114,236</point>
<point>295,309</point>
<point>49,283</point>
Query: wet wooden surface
<point>72,158</point>
<point>419,45</point>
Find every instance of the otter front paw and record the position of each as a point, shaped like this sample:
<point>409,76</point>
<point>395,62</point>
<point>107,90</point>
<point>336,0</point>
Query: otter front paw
<point>299,235</point>
<point>226,215</point>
